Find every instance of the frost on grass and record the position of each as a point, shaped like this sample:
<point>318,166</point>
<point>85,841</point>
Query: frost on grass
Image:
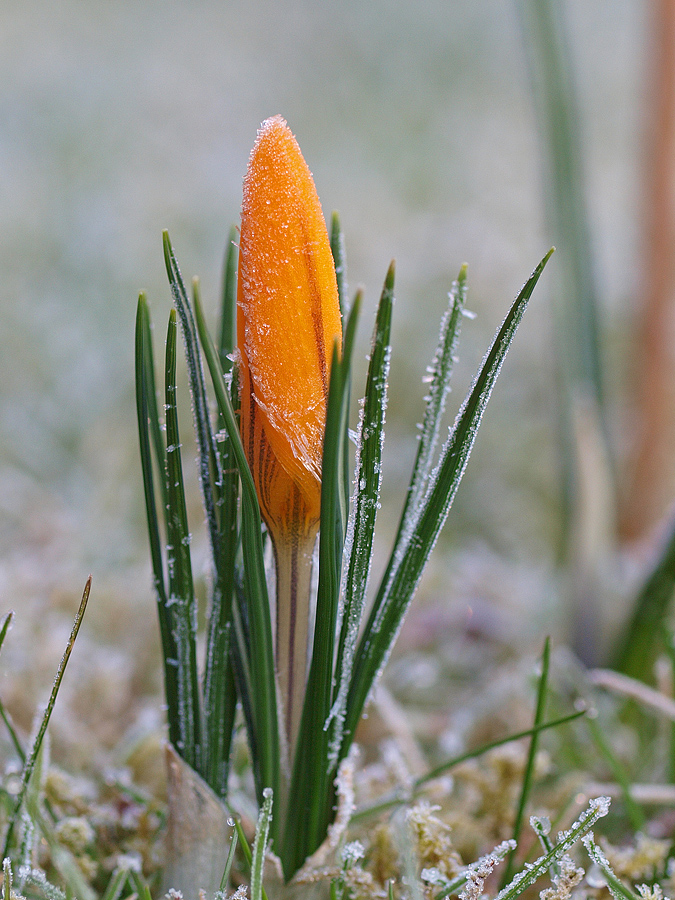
<point>241,893</point>
<point>650,892</point>
<point>433,843</point>
<point>644,860</point>
<point>563,883</point>
<point>478,873</point>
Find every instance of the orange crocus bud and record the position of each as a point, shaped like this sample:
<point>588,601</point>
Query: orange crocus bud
<point>288,321</point>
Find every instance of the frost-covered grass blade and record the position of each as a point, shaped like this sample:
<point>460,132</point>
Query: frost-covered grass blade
<point>566,840</point>
<point>262,700</point>
<point>401,580</point>
<point>31,760</point>
<point>361,526</point>
<point>181,596</point>
<point>219,686</point>
<point>439,386</point>
<point>209,463</point>
<point>152,448</point>
<point>616,887</point>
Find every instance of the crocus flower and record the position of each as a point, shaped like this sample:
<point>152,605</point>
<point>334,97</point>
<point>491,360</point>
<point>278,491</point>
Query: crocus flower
<point>288,321</point>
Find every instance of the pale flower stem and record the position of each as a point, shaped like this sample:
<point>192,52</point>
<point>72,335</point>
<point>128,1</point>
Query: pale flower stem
<point>293,557</point>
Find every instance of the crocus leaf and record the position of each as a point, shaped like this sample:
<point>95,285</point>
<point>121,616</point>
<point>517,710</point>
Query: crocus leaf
<point>397,589</point>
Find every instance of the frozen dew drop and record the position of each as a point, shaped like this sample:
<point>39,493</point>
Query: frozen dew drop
<point>595,878</point>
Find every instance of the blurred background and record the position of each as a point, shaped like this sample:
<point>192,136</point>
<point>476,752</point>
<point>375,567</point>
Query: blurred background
<point>430,127</point>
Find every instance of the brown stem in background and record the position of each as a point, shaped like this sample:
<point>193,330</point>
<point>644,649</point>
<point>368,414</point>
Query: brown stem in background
<point>652,479</point>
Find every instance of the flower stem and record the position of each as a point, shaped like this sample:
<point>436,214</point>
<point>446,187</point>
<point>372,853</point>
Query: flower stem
<point>293,554</point>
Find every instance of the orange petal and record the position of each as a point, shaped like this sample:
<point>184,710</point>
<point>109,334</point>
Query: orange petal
<point>288,321</point>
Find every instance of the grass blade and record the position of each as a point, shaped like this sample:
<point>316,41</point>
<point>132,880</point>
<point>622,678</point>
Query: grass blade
<point>616,887</point>
<point>397,590</point>
<point>337,247</point>
<point>219,682</point>
<point>260,653</point>
<point>234,840</point>
<point>150,442</point>
<point>527,877</point>
<point>9,725</point>
<point>179,566</point>
<point>439,387</point>
<point>262,831</point>
<point>361,527</point>
<point>531,756</point>
<point>246,850</point>
<point>228,319</point>
<point>210,474</point>
<point>4,628</point>
<point>34,752</point>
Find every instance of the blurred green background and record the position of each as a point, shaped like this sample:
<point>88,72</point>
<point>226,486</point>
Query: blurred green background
<point>417,119</point>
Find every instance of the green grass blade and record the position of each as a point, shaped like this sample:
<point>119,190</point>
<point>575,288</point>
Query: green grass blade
<point>4,715</point>
<point>14,737</point>
<point>311,787</point>
<point>616,887</point>
<point>34,752</point>
<point>179,566</point>
<point>219,495</point>
<point>219,681</point>
<point>4,628</point>
<point>528,775</point>
<point>396,591</point>
<point>440,373</point>
<point>116,884</point>
<point>361,527</point>
<point>152,446</point>
<point>146,409</point>
<point>228,308</point>
<point>262,831</point>
<point>234,840</point>
<point>246,850</point>
<point>210,474</point>
<point>337,246</point>
<point>262,699</point>
<point>141,888</point>
<point>439,387</point>
<point>641,640</point>
<point>480,867</point>
<point>7,879</point>
<point>526,878</point>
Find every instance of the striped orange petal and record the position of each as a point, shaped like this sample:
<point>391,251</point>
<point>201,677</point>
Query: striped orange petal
<point>288,321</point>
